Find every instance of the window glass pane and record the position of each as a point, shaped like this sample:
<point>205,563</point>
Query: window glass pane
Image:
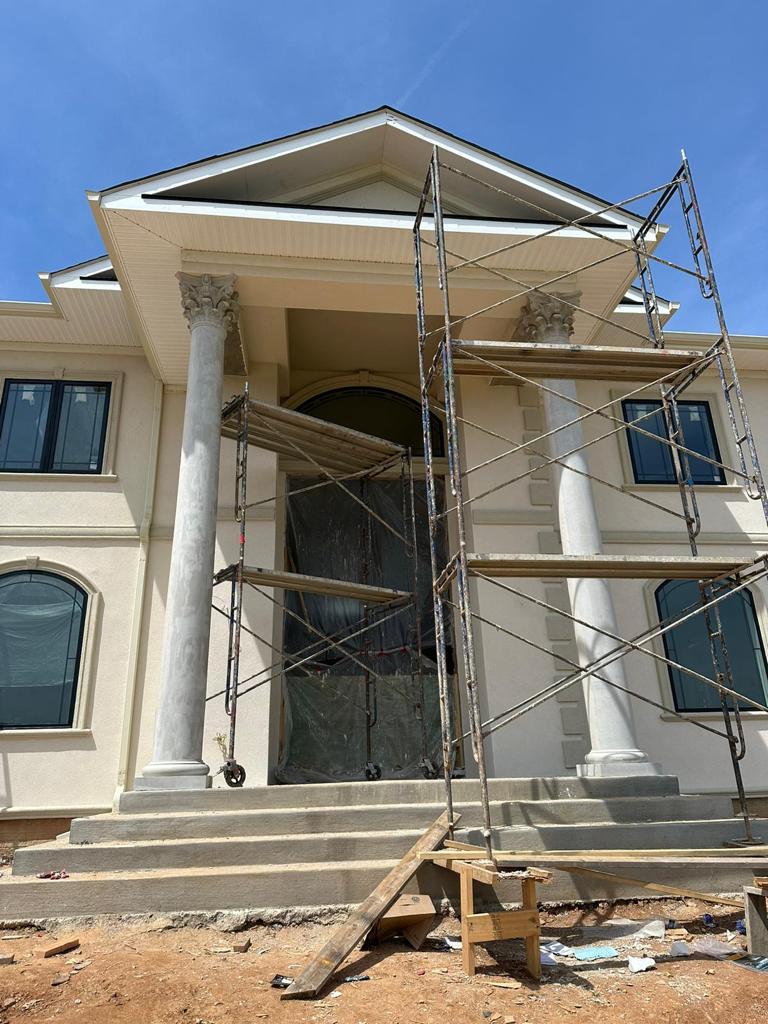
<point>24,420</point>
<point>652,461</point>
<point>688,644</point>
<point>80,428</point>
<point>699,434</point>
<point>41,629</point>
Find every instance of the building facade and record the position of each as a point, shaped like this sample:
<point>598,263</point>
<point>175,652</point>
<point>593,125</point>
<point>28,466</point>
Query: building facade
<point>288,266</point>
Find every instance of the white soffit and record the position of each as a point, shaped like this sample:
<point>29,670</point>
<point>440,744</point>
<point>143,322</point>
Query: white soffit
<point>83,309</point>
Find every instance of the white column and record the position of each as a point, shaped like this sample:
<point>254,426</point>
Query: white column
<point>614,749</point>
<point>210,306</point>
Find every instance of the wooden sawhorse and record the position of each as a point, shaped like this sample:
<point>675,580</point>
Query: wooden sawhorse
<point>502,924</point>
<point>756,916</point>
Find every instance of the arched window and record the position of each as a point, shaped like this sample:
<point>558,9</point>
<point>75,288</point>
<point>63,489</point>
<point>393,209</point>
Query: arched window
<point>378,412</point>
<point>42,619</point>
<point>688,644</point>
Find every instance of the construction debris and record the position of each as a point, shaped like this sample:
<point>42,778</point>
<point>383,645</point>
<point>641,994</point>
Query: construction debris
<point>411,916</point>
<point>61,947</point>
<point>360,921</point>
<point>638,964</point>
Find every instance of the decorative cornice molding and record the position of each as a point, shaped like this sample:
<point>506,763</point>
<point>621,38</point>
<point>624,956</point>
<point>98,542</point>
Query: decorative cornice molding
<point>205,297</point>
<point>548,317</point>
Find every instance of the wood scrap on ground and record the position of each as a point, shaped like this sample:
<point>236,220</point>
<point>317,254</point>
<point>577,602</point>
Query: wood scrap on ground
<point>360,921</point>
<point>65,946</point>
<point>411,916</point>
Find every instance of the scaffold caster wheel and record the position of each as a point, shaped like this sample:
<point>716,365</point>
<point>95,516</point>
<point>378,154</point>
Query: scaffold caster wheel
<point>234,774</point>
<point>428,768</point>
<point>372,771</point>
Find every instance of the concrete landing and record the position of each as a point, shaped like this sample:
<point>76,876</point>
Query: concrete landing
<point>306,846</point>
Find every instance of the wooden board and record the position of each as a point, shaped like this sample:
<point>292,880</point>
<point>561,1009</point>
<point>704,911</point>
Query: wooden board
<point>304,438</point>
<point>503,924</point>
<point>673,567</point>
<point>411,916</point>
<point>360,921</point>
<point>670,890</point>
<point>593,362</point>
<point>315,585</point>
<point>756,856</point>
<point>484,875</point>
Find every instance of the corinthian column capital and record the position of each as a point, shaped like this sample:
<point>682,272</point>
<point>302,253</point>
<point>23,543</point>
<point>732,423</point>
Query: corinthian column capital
<point>549,317</point>
<point>209,298</point>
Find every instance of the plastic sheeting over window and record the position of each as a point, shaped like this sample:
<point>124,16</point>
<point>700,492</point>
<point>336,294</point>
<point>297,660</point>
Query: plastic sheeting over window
<point>363,700</point>
<point>42,617</point>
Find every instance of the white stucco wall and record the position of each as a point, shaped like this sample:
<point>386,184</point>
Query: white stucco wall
<point>90,527</point>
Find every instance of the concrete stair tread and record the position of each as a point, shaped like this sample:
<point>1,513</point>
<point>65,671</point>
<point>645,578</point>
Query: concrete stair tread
<point>348,794</point>
<point>292,837</point>
<point>216,870</point>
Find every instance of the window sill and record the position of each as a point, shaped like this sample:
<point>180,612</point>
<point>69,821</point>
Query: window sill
<point>713,716</point>
<point>670,488</point>
<point>27,734</point>
<point>60,477</point>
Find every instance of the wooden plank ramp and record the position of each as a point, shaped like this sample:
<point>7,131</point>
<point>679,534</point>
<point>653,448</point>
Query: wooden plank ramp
<point>344,939</point>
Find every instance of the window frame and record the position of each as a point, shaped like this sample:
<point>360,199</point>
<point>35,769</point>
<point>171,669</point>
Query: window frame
<point>87,654</point>
<point>723,435</point>
<point>746,595</point>
<point>632,436</point>
<point>53,423</point>
<point>666,692</point>
<point>109,444</point>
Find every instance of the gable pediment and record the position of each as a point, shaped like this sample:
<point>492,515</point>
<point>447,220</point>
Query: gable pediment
<point>376,161</point>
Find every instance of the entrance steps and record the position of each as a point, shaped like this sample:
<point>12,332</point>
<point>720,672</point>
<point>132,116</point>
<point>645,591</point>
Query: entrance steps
<point>304,846</point>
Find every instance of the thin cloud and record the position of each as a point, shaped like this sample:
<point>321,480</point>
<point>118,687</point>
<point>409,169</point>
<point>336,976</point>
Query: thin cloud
<point>433,60</point>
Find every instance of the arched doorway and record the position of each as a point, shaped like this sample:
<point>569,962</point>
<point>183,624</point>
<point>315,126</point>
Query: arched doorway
<point>372,700</point>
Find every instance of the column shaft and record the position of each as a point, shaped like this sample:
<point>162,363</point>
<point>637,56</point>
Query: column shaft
<point>614,749</point>
<point>177,758</point>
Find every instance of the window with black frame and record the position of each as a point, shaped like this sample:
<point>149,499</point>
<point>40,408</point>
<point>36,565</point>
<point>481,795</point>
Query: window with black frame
<point>688,645</point>
<point>652,460</point>
<point>53,426</point>
<point>42,624</point>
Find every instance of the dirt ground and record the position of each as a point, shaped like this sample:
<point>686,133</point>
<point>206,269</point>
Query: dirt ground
<point>150,973</point>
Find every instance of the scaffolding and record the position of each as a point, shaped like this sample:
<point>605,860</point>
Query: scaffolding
<point>445,353</point>
<point>337,455</point>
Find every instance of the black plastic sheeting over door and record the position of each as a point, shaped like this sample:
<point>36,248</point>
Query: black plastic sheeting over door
<point>325,737</point>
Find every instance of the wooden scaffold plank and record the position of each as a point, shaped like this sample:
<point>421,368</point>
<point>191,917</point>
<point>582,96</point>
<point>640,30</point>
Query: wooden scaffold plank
<point>590,362</point>
<point>360,921</point>
<point>315,585</point>
<point>538,566</point>
<point>306,438</point>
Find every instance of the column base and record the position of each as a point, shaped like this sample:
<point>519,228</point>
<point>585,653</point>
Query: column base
<point>174,775</point>
<point>617,769</point>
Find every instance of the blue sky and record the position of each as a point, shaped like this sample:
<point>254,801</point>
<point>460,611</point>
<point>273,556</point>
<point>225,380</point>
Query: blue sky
<point>97,93</point>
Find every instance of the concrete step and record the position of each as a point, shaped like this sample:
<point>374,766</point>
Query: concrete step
<point>646,835</point>
<point>423,791</point>
<point>381,817</point>
<point>152,853</point>
<point>272,887</point>
<point>159,854</point>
